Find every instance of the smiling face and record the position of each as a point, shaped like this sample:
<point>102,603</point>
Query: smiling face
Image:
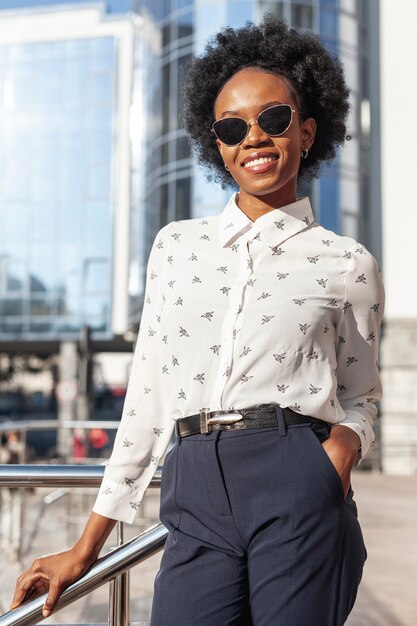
<point>265,168</point>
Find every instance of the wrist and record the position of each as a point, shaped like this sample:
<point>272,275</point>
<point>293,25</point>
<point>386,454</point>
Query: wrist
<point>348,438</point>
<point>84,553</point>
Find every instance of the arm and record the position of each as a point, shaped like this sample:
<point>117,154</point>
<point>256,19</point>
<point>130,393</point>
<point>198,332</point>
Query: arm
<point>142,437</point>
<point>53,573</point>
<point>147,424</point>
<point>359,385</point>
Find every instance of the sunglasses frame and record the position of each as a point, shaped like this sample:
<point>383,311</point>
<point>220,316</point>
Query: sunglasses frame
<point>250,124</point>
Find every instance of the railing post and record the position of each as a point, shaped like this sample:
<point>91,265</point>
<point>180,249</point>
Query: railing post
<point>119,592</point>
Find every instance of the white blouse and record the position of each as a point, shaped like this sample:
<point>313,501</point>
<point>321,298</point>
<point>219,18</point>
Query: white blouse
<point>239,313</point>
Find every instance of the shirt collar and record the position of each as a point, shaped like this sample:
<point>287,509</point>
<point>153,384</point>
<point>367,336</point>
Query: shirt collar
<point>275,226</point>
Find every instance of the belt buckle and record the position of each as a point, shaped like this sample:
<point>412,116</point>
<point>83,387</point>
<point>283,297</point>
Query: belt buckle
<point>224,418</point>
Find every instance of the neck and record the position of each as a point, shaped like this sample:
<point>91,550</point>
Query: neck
<point>256,206</point>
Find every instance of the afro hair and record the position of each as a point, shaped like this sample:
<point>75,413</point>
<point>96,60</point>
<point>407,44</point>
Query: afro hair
<point>314,77</point>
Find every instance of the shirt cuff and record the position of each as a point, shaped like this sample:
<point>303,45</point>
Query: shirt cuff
<point>118,502</point>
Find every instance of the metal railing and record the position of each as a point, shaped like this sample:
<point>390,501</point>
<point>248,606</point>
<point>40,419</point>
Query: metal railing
<point>104,570</point>
<point>113,568</point>
<point>58,476</point>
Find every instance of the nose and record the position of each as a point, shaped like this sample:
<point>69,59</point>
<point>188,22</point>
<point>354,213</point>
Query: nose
<point>255,134</point>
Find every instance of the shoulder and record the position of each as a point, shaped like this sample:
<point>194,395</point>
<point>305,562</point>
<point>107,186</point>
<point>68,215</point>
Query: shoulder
<point>189,230</point>
<point>353,251</point>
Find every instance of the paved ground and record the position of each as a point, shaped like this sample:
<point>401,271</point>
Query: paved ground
<point>387,596</point>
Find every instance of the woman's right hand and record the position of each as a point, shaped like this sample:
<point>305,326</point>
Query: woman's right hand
<point>50,574</point>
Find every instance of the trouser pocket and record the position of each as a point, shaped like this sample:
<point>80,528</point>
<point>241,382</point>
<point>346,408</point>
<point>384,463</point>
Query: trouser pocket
<point>319,432</point>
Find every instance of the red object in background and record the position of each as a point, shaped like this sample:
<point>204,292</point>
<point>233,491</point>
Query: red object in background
<point>98,438</point>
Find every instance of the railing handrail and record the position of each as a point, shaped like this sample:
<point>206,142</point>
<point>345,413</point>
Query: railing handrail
<point>31,475</point>
<point>22,425</point>
<point>105,569</point>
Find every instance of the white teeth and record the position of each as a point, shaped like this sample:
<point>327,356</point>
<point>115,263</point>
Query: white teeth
<point>259,161</point>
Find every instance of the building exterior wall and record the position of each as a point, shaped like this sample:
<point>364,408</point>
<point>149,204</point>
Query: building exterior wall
<point>399,214</point>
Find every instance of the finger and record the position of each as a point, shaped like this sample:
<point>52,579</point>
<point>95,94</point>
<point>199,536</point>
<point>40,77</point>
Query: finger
<point>55,590</point>
<point>24,586</point>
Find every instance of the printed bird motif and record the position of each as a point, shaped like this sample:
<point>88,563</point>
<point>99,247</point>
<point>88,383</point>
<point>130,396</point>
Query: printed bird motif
<point>350,360</point>
<point>282,388</point>
<point>276,250</point>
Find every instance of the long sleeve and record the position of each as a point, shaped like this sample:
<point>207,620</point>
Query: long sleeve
<point>358,380</point>
<point>146,424</point>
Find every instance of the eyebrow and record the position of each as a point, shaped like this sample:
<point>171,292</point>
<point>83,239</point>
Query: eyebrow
<point>264,106</point>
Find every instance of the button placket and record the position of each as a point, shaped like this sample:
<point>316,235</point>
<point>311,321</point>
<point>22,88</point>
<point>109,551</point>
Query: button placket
<point>230,327</point>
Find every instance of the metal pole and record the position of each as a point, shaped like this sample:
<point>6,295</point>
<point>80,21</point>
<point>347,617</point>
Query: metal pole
<point>119,595</point>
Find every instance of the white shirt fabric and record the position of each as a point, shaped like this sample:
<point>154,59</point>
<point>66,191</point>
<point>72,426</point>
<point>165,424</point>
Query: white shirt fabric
<point>239,313</point>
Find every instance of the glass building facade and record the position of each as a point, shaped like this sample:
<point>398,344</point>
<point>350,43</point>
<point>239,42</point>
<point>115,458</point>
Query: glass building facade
<point>57,103</point>
<point>65,160</point>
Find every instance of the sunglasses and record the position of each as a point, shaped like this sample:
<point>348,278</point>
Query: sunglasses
<point>273,121</point>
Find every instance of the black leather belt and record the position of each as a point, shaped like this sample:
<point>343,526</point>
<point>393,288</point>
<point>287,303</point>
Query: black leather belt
<point>262,416</point>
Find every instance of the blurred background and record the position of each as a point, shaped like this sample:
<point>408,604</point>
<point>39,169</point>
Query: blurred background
<point>94,160</point>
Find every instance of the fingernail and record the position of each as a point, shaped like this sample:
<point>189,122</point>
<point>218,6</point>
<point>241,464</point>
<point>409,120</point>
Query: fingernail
<point>46,612</point>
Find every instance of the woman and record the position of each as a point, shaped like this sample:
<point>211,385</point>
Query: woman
<point>258,342</point>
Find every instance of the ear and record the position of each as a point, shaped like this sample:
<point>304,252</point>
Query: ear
<point>308,132</point>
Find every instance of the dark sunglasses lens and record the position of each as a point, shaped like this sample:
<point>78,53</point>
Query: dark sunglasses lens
<point>275,120</point>
<point>231,130</point>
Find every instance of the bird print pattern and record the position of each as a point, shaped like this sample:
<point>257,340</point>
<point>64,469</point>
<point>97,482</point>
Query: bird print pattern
<point>239,313</point>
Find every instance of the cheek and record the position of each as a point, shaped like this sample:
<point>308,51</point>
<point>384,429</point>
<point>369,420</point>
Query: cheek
<point>228,154</point>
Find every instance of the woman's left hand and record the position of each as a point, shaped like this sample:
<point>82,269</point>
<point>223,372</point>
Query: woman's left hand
<point>342,447</point>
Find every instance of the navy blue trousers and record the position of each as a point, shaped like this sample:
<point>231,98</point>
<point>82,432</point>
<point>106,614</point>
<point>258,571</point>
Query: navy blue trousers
<point>260,531</point>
